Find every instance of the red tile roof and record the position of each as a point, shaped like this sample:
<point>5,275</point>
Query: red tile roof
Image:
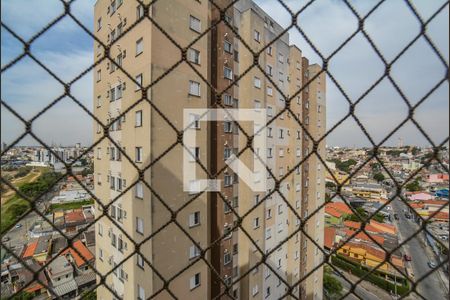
<point>365,237</point>
<point>387,227</point>
<point>441,216</point>
<point>29,252</point>
<point>332,212</point>
<point>329,236</point>
<point>341,207</point>
<point>82,249</point>
<point>74,216</point>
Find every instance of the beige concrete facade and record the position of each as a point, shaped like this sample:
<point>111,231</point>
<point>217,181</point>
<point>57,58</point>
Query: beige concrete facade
<point>142,215</point>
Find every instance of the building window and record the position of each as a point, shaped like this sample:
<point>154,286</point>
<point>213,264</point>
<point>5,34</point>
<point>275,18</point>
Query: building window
<point>226,207</point>
<point>227,126</point>
<point>141,293</point>
<point>194,219</point>
<point>194,153</point>
<point>268,292</point>
<point>227,180</point>
<point>269,213</point>
<point>194,281</point>
<point>138,154</point>
<point>139,11</point>
<point>138,118</point>
<point>226,258</point>
<point>194,251</point>
<point>280,209</point>
<point>269,50</point>
<point>268,233</point>
<point>139,190</point>
<point>227,99</point>
<point>99,24</point>
<point>257,82</point>
<point>99,75</point>
<point>255,290</point>
<point>140,261</point>
<point>194,88</point>
<point>195,24</point>
<point>194,56</point>
<point>269,91</point>
<point>256,223</point>
<point>269,70</point>
<point>139,46</point>
<point>228,73</point>
<point>194,121</point>
<point>257,36</point>
<point>138,80</point>
<point>139,225</point>
<point>227,153</point>
<point>227,47</point>
<point>281,136</point>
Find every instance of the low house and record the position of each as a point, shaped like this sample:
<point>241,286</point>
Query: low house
<point>60,273</point>
<point>43,249</point>
<point>329,239</point>
<point>80,256</point>
<point>369,256</point>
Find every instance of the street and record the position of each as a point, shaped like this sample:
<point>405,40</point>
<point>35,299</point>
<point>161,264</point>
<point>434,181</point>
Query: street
<point>431,287</point>
<point>359,290</point>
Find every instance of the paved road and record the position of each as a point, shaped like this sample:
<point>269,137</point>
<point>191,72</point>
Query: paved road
<point>432,286</point>
<point>19,236</point>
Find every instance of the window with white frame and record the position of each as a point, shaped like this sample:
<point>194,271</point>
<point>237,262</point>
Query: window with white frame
<point>139,225</point>
<point>139,190</point>
<point>227,99</point>
<point>138,80</point>
<point>269,111</point>
<point>194,56</point>
<point>140,261</point>
<point>255,290</point>
<point>99,75</point>
<point>139,46</point>
<point>228,126</point>
<point>256,223</point>
<point>268,233</point>
<point>195,24</point>
<point>257,36</point>
<point>257,82</point>
<point>194,88</point>
<point>194,281</point>
<point>228,47</point>
<point>139,11</point>
<point>194,219</point>
<point>194,252</point>
<point>138,118</point>
<point>227,152</point>
<point>141,293</point>
<point>269,91</point>
<point>269,70</point>
<point>228,73</point>
<point>138,154</point>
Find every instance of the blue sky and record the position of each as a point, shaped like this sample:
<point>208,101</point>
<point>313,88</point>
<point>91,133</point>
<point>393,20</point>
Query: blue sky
<point>67,50</point>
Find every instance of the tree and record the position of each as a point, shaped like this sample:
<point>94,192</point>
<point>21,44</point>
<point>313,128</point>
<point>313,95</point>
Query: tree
<point>331,285</point>
<point>378,177</point>
<point>330,185</point>
<point>413,186</point>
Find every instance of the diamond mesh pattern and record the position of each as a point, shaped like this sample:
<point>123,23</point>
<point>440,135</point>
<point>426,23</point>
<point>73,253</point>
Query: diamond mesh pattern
<point>295,15</point>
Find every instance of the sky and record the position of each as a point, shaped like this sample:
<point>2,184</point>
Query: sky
<point>67,51</point>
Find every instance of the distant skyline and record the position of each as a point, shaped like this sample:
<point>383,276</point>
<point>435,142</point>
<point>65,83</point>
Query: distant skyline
<point>67,50</point>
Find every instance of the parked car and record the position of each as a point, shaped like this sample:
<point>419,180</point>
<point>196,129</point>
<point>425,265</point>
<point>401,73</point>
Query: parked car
<point>18,225</point>
<point>407,257</point>
<point>432,264</point>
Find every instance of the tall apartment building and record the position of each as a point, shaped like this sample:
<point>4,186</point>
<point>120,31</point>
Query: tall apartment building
<point>147,134</point>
